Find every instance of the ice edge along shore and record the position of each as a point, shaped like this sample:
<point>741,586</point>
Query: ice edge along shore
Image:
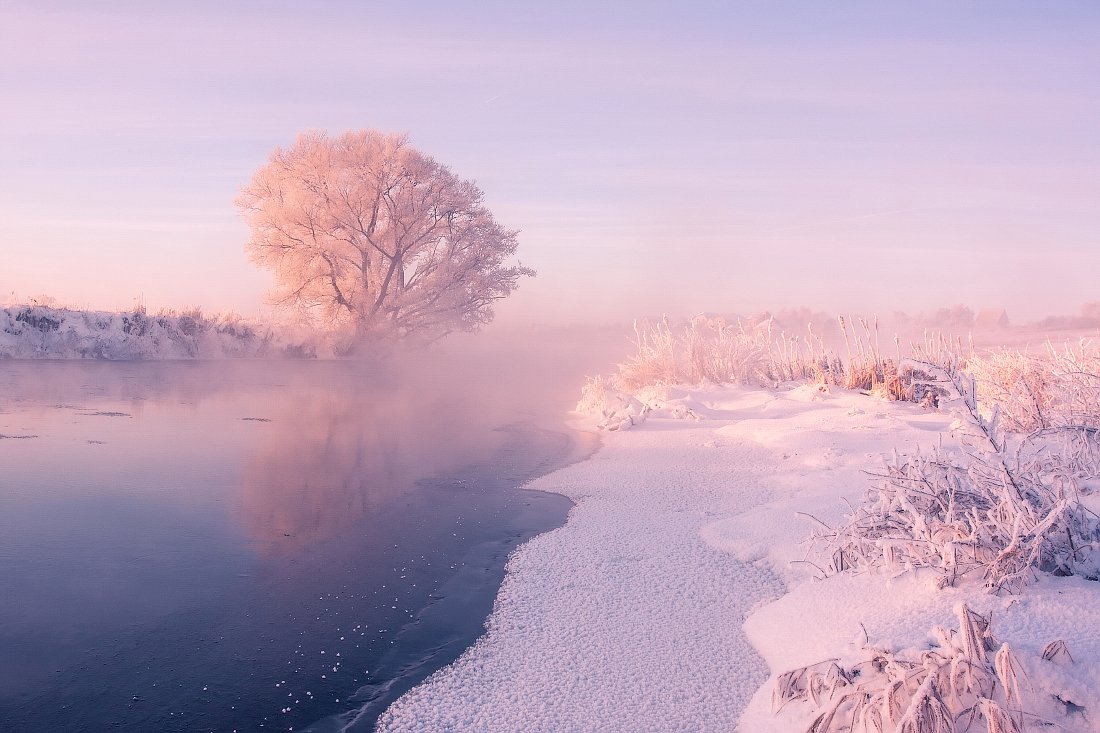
<point>675,593</point>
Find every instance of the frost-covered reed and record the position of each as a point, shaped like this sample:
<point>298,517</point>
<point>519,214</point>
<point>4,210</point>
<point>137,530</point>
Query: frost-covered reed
<point>705,350</point>
<point>1006,507</point>
<point>1004,501</point>
<point>711,349</point>
<point>1056,388</point>
<point>966,682</point>
<point>714,350</point>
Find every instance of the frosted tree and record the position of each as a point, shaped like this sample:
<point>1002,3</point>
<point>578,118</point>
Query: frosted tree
<point>367,234</point>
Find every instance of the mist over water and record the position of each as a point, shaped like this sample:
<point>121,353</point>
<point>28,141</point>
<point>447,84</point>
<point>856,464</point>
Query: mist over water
<point>182,541</point>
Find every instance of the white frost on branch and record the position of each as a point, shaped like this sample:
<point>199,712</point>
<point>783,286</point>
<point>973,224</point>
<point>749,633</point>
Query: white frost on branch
<point>367,235</point>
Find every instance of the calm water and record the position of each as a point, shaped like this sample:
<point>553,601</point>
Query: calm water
<point>257,546</point>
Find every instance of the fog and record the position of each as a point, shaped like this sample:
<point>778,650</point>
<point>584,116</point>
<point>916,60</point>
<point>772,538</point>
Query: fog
<point>319,443</point>
<point>375,430</point>
<point>154,506</point>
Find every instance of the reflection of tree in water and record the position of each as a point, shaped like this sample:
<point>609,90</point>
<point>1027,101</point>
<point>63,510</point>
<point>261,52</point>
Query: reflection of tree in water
<point>344,438</point>
<point>45,385</point>
<point>329,457</point>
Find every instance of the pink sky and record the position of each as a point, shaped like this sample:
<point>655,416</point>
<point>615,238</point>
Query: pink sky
<point>656,156</point>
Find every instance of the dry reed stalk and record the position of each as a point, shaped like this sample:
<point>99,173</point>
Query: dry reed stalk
<point>927,712</point>
<point>1057,651</point>
<point>594,394</point>
<point>997,719</point>
<point>947,689</point>
<point>1009,673</point>
<point>710,350</point>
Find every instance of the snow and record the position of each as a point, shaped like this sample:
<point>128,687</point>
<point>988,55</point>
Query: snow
<point>678,590</point>
<point>45,332</point>
<point>602,615</point>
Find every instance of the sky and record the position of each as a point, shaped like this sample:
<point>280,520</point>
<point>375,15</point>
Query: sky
<point>656,156</point>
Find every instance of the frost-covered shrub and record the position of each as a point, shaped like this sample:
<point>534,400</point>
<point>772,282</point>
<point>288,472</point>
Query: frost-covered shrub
<point>613,408</point>
<point>594,395</point>
<point>60,333</point>
<point>967,682</point>
<point>136,324</point>
<point>188,326</point>
<point>720,352</point>
<point>971,517</point>
<point>1058,388</point>
<point>706,350</point>
<point>1007,507</point>
<point>300,350</point>
<point>655,361</point>
<point>710,349</point>
<point>38,318</point>
<point>865,368</point>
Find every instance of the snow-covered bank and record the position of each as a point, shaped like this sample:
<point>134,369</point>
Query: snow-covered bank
<point>598,624</point>
<point>42,332</point>
<point>639,613</point>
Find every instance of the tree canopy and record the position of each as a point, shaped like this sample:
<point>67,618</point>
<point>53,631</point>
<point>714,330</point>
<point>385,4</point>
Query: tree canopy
<point>367,234</point>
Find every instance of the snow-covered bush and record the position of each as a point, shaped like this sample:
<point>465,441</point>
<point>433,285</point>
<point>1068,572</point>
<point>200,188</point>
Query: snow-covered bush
<point>709,350</point>
<point>1006,507</point>
<point>719,352</point>
<point>613,408</point>
<point>1059,388</point>
<point>28,332</point>
<point>655,361</point>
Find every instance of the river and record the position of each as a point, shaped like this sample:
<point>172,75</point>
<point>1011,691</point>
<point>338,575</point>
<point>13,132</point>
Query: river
<point>262,545</point>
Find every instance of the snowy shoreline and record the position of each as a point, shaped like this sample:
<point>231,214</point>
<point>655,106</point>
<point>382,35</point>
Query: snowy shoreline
<point>674,595</point>
<point>46,332</point>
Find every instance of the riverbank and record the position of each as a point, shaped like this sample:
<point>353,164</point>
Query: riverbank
<point>677,592</point>
<point>453,616</point>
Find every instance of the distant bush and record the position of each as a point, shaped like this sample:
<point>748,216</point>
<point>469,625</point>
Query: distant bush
<point>1089,318</point>
<point>37,331</point>
<point>39,321</point>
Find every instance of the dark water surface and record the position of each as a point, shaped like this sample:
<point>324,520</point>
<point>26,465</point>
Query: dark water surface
<point>255,546</point>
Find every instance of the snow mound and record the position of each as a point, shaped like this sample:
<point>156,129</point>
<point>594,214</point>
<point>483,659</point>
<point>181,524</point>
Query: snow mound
<point>615,409</point>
